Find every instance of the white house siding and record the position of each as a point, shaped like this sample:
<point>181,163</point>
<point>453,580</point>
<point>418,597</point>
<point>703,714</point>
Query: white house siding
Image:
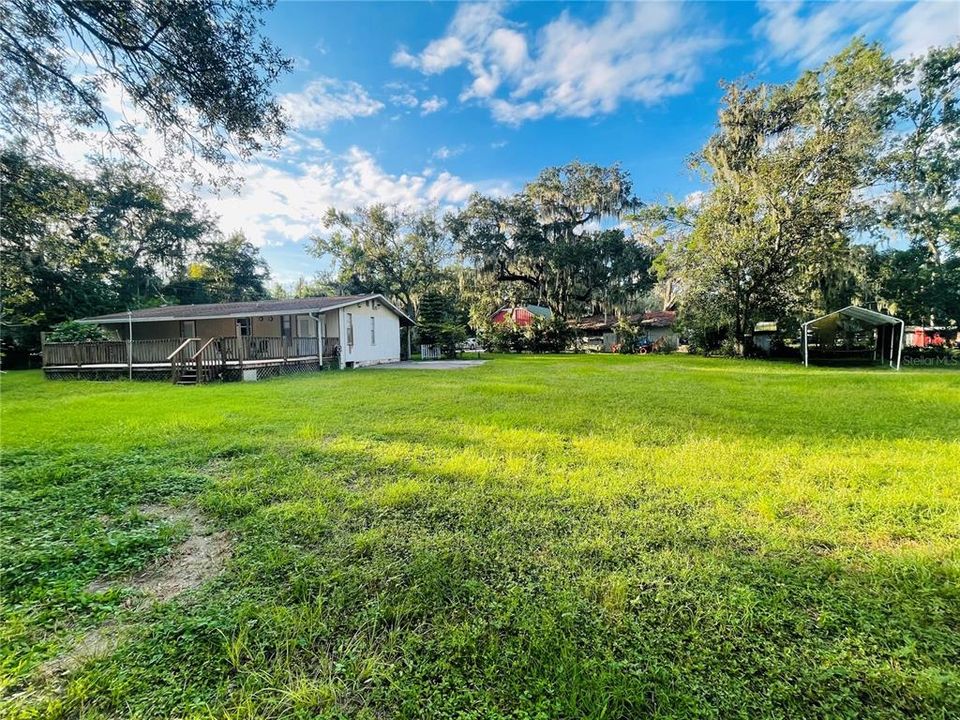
<point>363,351</point>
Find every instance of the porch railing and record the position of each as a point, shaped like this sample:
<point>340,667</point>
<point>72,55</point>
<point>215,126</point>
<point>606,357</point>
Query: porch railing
<point>206,351</point>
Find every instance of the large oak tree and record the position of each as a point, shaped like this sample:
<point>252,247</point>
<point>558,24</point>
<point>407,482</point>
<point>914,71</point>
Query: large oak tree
<point>558,239</point>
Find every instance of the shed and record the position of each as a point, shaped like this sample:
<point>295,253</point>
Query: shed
<point>854,332</point>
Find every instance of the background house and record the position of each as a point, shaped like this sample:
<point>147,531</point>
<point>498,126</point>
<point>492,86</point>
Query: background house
<point>522,315</point>
<point>598,332</point>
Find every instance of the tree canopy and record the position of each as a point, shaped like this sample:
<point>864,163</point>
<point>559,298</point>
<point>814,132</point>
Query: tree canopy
<point>802,175</point>
<point>74,246</point>
<point>385,249</point>
<point>198,70</point>
<point>550,238</point>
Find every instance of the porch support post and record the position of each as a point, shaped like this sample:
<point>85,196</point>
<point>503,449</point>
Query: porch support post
<point>319,319</point>
<point>240,348</point>
<point>342,339</point>
<point>129,345</point>
<point>806,349</point>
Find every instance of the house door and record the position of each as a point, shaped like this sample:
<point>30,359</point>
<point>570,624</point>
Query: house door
<point>188,328</point>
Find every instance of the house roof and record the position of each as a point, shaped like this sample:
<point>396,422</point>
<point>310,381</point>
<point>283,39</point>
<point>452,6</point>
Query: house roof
<point>599,323</point>
<point>210,311</point>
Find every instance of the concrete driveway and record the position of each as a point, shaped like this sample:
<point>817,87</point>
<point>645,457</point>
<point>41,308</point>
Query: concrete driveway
<point>430,365</point>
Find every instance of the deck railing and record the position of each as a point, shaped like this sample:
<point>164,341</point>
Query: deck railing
<point>158,352</point>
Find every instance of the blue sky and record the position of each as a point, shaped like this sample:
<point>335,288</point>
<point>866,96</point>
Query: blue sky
<point>423,103</point>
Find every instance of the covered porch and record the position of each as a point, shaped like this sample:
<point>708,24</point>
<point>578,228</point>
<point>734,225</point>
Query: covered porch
<point>232,341</point>
<point>186,360</point>
<point>194,344</point>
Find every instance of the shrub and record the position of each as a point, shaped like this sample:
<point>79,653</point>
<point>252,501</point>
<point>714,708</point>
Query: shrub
<point>503,337</point>
<point>73,331</point>
<point>548,335</point>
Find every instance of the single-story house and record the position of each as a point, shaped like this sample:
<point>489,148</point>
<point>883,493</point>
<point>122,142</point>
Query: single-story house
<point>600,330</point>
<point>225,339</point>
<point>521,315</point>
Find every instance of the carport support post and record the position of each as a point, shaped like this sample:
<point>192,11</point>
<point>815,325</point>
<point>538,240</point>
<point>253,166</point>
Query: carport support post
<point>806,349</point>
<point>900,345</point>
<point>891,345</point>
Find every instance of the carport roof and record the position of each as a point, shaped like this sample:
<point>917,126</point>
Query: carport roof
<point>871,318</point>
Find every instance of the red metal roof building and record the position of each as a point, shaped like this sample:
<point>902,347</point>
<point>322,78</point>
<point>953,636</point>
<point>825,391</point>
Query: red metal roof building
<point>522,315</point>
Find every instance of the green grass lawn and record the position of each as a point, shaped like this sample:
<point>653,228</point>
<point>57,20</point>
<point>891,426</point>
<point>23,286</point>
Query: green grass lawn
<point>541,537</point>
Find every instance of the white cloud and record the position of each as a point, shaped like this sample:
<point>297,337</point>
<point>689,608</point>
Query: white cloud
<point>808,34</point>
<point>925,25</point>
<point>405,99</point>
<point>431,105</point>
<point>405,96</point>
<point>694,200</point>
<point>282,202</point>
<point>638,52</point>
<point>326,100</point>
<point>402,58</point>
<point>445,153</point>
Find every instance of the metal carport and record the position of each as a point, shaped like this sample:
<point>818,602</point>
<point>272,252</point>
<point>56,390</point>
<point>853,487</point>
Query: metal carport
<point>852,319</point>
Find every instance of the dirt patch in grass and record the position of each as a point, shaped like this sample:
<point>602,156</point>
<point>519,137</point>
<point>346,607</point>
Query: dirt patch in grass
<point>197,559</point>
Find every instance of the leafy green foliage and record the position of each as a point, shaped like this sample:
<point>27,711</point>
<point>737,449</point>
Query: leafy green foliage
<point>381,249</point>
<point>922,162</point>
<point>548,334</point>
<point>560,536</point>
<point>438,323</point>
<point>198,71</point>
<point>230,270</point>
<point>863,146</point>
<point>73,247</point>
<point>785,165</point>
<point>545,240</point>
<point>72,331</point>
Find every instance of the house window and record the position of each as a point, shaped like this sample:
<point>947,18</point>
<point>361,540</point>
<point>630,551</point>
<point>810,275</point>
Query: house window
<point>350,329</point>
<point>305,326</point>
<point>286,328</point>
<point>244,325</point>
<point>373,330</point>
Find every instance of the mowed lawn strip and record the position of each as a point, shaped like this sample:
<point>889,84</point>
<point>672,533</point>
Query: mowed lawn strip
<point>539,537</point>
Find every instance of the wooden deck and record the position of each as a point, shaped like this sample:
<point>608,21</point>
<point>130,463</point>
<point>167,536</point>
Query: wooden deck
<point>184,360</point>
